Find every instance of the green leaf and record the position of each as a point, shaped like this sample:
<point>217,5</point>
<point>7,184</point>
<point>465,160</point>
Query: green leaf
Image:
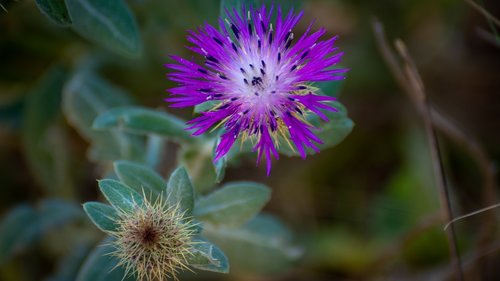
<point>331,132</point>
<point>337,129</point>
<point>55,10</point>
<point>143,121</point>
<point>85,97</point>
<point>155,150</point>
<point>24,225</point>
<point>331,88</point>
<point>220,169</point>
<point>40,135</point>
<point>207,256</point>
<point>100,265</point>
<point>202,107</point>
<point>54,212</point>
<point>233,204</point>
<point>180,190</point>
<point>122,197</point>
<point>17,231</point>
<point>140,178</point>
<point>219,165</point>
<point>197,159</point>
<point>102,215</point>
<point>108,23</point>
<point>263,245</point>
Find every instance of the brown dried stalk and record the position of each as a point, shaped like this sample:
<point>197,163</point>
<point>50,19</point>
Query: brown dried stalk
<point>451,130</point>
<point>484,12</point>
<point>409,78</point>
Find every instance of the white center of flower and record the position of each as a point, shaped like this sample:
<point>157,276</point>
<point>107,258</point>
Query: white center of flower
<point>258,82</point>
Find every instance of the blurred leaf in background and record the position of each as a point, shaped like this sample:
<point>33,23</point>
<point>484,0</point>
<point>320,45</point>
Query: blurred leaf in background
<point>365,208</point>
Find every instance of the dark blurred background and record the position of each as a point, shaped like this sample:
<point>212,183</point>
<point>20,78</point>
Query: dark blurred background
<point>367,209</point>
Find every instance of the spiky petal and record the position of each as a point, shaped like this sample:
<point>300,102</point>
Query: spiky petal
<point>260,80</point>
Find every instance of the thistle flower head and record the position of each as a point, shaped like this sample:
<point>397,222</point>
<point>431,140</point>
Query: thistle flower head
<point>260,77</point>
<point>153,241</point>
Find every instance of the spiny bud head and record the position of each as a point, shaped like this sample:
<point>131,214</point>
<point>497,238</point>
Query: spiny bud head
<point>153,241</point>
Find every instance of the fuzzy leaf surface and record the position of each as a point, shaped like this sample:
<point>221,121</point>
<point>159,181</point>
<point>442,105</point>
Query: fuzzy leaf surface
<point>180,190</point>
<point>110,24</point>
<point>207,256</point>
<point>86,96</point>
<point>119,195</point>
<point>263,245</point>
<point>55,10</point>
<point>102,215</point>
<point>140,178</point>
<point>144,121</point>
<point>233,204</point>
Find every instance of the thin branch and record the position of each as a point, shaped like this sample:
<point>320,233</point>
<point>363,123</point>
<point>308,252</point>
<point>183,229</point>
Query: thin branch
<point>442,122</point>
<point>488,37</point>
<point>471,214</point>
<point>416,83</point>
<point>483,11</point>
<point>3,8</point>
<point>409,78</point>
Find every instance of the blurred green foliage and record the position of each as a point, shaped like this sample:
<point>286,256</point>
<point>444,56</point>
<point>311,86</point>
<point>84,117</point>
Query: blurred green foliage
<point>367,209</point>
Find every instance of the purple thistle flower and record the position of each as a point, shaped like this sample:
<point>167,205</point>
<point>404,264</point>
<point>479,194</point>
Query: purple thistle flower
<point>260,80</point>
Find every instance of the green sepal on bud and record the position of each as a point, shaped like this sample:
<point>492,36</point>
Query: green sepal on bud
<point>155,235</point>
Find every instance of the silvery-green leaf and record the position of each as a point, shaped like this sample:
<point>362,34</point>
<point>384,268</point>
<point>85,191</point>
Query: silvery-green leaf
<point>85,97</point>
<point>219,165</point>
<point>55,10</point>
<point>263,245</point>
<point>102,215</point>
<point>143,121</point>
<point>207,256</point>
<point>155,150</point>
<point>122,197</point>
<point>40,135</point>
<point>330,88</point>
<point>140,178</point>
<point>180,190</point>
<point>197,159</point>
<point>336,129</point>
<point>233,204</point>
<point>108,23</point>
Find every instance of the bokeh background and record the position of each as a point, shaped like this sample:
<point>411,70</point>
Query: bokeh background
<point>367,209</point>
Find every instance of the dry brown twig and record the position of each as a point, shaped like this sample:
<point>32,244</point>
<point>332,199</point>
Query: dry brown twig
<point>409,79</point>
<point>416,85</point>
<point>471,214</point>
<point>484,12</point>
<point>450,129</point>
